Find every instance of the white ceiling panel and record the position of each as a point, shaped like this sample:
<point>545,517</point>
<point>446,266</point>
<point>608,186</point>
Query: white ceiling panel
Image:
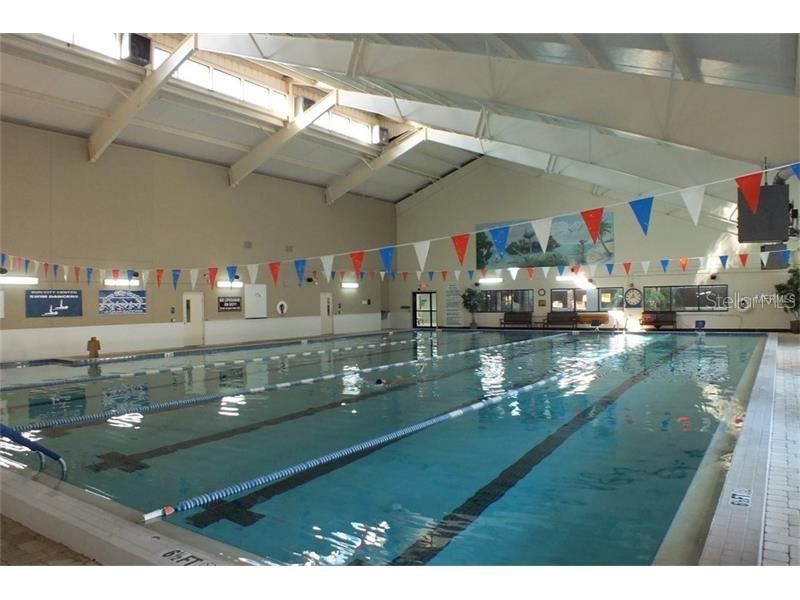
<point>159,141</point>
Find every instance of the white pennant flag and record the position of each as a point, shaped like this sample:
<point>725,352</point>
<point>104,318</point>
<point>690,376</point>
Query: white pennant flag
<point>764,258</point>
<point>546,271</point>
<point>645,265</point>
<point>513,272</point>
<point>103,276</point>
<point>66,270</point>
<point>35,267</point>
<point>419,275</point>
<point>456,274</point>
<point>327,266</point>
<point>541,227</point>
<point>693,198</point>
<point>382,274</point>
<point>193,273</point>
<point>421,248</point>
<point>701,263</point>
<point>252,270</point>
<point>593,269</point>
<point>145,274</point>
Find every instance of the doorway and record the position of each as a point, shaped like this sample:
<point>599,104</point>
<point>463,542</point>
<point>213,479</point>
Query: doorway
<point>193,319</point>
<point>424,304</point>
<point>326,312</point>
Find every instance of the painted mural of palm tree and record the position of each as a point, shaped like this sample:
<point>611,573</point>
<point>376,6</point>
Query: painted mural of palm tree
<point>606,230</point>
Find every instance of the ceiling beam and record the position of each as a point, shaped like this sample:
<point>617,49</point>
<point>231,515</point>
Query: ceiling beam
<point>437,42</point>
<point>683,57</point>
<point>592,56</point>
<point>509,45</point>
<point>363,172</point>
<point>261,153</point>
<point>109,129</point>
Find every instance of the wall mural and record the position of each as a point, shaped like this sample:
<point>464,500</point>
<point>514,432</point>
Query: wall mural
<point>569,243</point>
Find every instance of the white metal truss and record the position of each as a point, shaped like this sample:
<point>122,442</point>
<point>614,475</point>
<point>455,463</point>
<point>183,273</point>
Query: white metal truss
<point>109,129</point>
<point>591,56</point>
<point>362,172</point>
<point>261,153</point>
<point>683,57</point>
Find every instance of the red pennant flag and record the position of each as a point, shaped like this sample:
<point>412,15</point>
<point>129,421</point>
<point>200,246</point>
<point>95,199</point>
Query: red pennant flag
<point>593,218</point>
<point>212,275</point>
<point>18,262</point>
<point>160,274</point>
<point>751,189</point>
<point>275,269</point>
<point>483,272</point>
<point>627,267</point>
<point>341,274</point>
<point>405,275</point>
<point>115,273</point>
<point>460,243</point>
<point>444,275</point>
<point>372,274</point>
<point>743,259</point>
<point>357,259</point>
<point>530,272</point>
<point>574,269</point>
<point>46,269</point>
<point>77,274</point>
<point>683,261</point>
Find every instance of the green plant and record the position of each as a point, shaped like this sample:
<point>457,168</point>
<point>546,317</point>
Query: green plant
<point>790,291</point>
<point>469,299</point>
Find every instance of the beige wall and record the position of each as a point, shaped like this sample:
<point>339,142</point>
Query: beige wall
<point>490,191</point>
<point>142,210</point>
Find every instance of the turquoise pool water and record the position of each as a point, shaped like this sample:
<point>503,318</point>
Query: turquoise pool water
<point>579,453</point>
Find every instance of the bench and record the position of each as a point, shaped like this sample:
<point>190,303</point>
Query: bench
<point>659,318</point>
<point>562,319</point>
<point>517,319</point>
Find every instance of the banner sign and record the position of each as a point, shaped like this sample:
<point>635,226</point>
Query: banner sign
<point>53,303</point>
<point>114,302</point>
<point>229,304</point>
<point>453,306</point>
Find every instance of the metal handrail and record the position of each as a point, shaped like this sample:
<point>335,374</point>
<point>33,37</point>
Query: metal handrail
<point>40,450</point>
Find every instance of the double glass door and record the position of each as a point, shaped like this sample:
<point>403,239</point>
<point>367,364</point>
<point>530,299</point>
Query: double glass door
<point>424,309</point>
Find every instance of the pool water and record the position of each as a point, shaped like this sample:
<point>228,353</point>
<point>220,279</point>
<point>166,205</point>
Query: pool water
<point>580,452</point>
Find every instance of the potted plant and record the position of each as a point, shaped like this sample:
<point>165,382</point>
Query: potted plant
<point>790,292</point>
<point>470,301</point>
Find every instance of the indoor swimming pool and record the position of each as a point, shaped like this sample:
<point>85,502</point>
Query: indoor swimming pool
<point>481,448</point>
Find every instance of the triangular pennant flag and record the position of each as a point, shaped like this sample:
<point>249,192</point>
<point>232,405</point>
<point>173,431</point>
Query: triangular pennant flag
<point>252,272</point>
<point>36,264</point>
<point>341,275</point>
<point>664,264</point>
<point>46,269</point>
<point>115,273</point>
<point>393,275</point>
<point>361,275</point>
<point>743,259</point>
<point>160,275</point>
<point>500,239</point>
<point>102,276</point>
<point>444,275</point>
<point>145,275</point>
<point>610,268</point>
<point>77,274</point>
<point>593,218</point>
<point>483,272</point>
<point>456,274</point>
<point>66,271</point>
<point>460,243</point>
<point>541,227</point>
<point>764,258</point>
<point>645,265</point>
<point>530,272</point>
<point>27,264</point>
<point>193,275</point>
<point>421,250</point>
<point>55,271</point>
<point>372,274</point>
<point>430,275</point>
<point>724,260</point>
<point>387,257</point>
<point>592,269</point>
<point>470,273</point>
<point>750,185</point>
<point>212,276</point>
<point>357,258</point>
<point>513,272</point>
<point>300,268</point>
<point>575,269</point>
<point>796,169</point>
<point>382,274</point>
<point>89,271</point>
<point>130,274</point>
<point>693,199</point>
<point>546,271</point>
<point>419,275</point>
<point>275,269</point>
<point>627,267</point>
<point>683,262</point>
<point>560,269</point>
<point>642,209</point>
<point>405,275</point>
<point>3,257</point>
<point>231,272</point>
<point>18,262</point>
<point>327,267</point>
<point>176,275</point>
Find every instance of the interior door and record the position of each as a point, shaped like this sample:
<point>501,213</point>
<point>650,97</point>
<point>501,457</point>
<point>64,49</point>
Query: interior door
<point>193,319</point>
<point>326,312</point>
<point>424,309</point>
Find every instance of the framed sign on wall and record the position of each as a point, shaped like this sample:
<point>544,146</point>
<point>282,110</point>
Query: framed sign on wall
<point>53,303</point>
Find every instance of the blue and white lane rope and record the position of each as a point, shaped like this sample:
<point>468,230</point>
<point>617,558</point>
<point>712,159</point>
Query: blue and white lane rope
<point>153,408</point>
<point>274,476</point>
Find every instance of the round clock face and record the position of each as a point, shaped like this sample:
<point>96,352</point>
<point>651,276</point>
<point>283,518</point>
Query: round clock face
<point>633,297</point>
<point>541,292</point>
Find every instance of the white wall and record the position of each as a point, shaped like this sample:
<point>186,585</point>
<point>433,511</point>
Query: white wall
<point>356,323</point>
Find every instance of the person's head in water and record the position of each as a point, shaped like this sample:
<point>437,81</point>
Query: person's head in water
<point>381,382</point>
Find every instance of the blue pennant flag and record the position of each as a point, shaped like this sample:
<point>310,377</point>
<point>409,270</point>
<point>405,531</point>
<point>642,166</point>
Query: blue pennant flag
<point>664,264</point>
<point>333,275</point>
<point>232,271</point>
<point>610,267</point>
<point>299,266</point>
<point>387,256</point>
<point>176,275</point>
<point>561,269</point>
<point>500,239</point>
<point>430,275</point>
<point>89,271</point>
<point>796,169</point>
<point>27,264</point>
<point>785,255</point>
<point>3,257</point>
<point>724,260</point>
<point>361,275</point>
<point>642,209</point>
<point>130,274</point>
<point>471,273</point>
<point>55,271</point>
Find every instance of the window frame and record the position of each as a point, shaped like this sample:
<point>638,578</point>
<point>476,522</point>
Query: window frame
<point>698,309</point>
<point>496,298</point>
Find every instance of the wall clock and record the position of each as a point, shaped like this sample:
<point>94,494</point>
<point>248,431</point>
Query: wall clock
<point>541,292</point>
<point>633,298</point>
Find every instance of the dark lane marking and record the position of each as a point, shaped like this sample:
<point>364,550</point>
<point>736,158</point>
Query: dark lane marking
<point>130,463</point>
<point>437,539</point>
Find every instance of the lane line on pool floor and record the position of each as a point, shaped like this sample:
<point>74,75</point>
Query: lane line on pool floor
<point>341,457</point>
<point>153,408</point>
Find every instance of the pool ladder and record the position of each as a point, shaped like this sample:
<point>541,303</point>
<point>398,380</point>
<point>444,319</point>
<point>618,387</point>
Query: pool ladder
<point>40,450</point>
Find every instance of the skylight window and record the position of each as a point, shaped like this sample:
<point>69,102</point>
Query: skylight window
<point>279,102</point>
<point>196,73</point>
<point>256,94</point>
<point>227,84</point>
<point>159,56</point>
